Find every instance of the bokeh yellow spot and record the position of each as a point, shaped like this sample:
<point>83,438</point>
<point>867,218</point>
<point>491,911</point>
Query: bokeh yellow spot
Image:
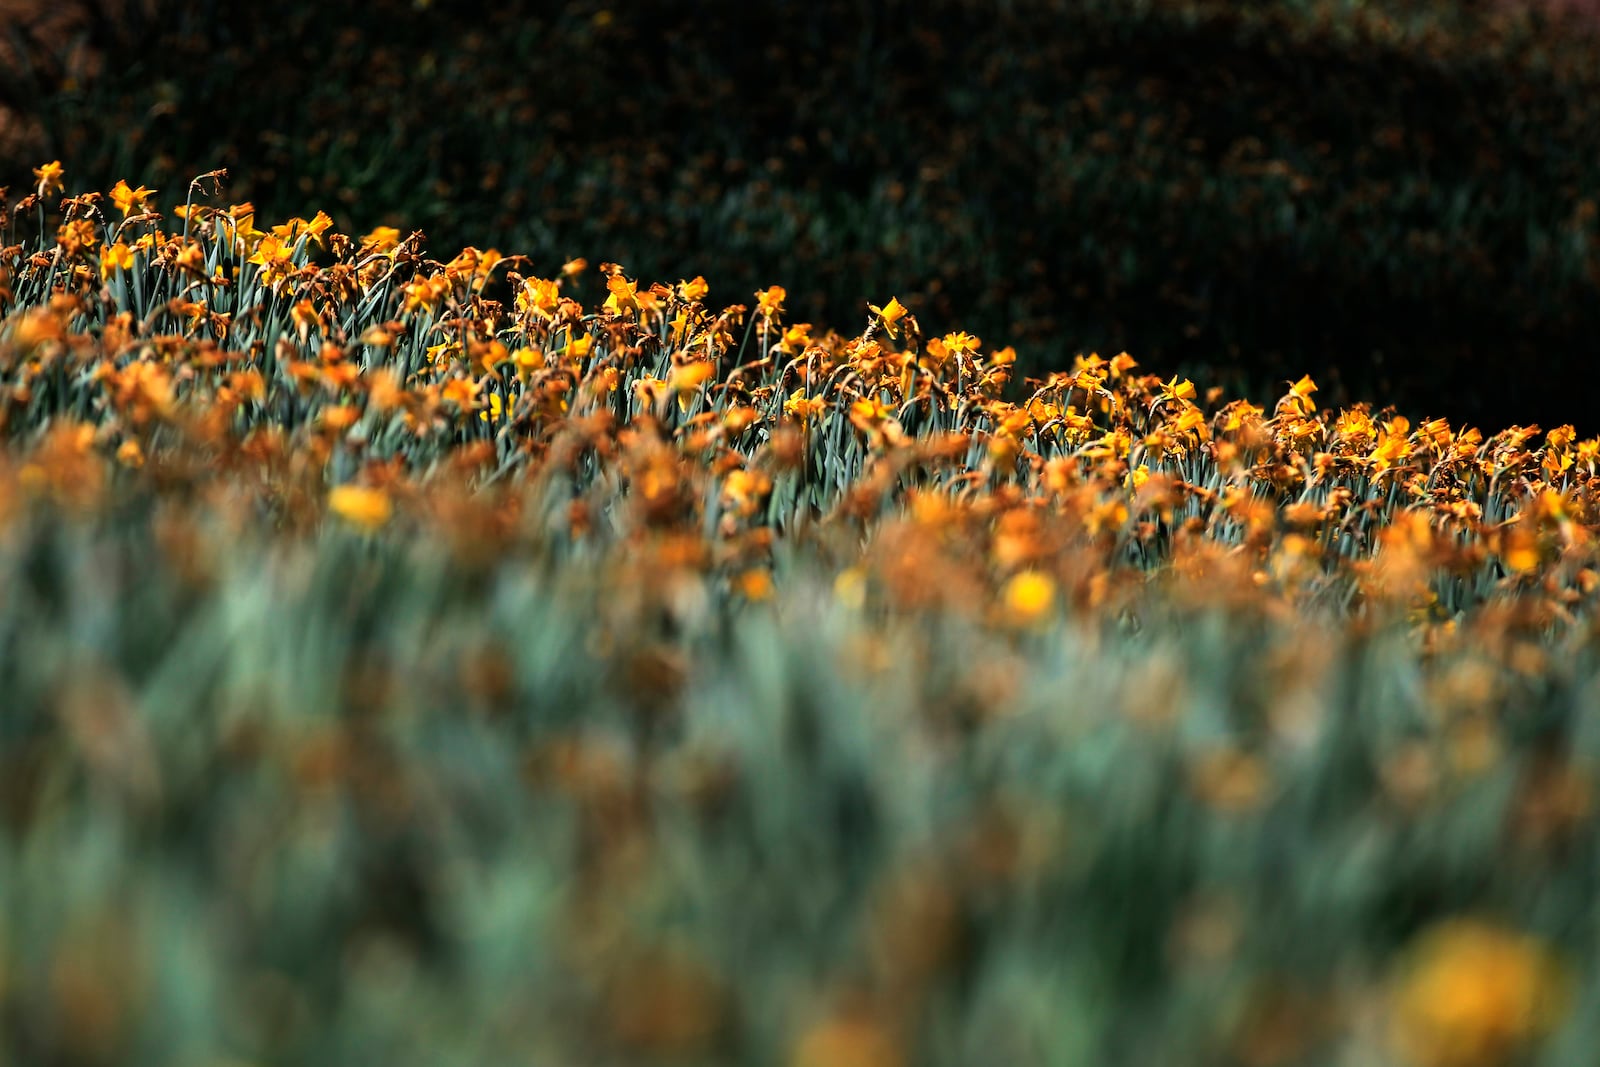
<point>1029,596</point>
<point>1471,994</point>
<point>360,506</point>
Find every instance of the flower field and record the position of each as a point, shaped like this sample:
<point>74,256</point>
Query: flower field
<point>483,660</point>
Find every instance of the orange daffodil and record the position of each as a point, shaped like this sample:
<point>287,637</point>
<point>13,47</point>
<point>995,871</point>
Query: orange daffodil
<point>769,302</point>
<point>76,236</point>
<point>539,297</point>
<point>476,266</point>
<point>426,294</point>
<point>874,419</point>
<point>687,377</point>
<point>1558,451</point>
<point>624,295</point>
<point>578,347</point>
<point>1298,401</point>
<point>796,339</point>
<point>383,240</point>
<point>1176,390</point>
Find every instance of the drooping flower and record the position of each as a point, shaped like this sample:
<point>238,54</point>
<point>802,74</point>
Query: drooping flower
<point>77,236</point>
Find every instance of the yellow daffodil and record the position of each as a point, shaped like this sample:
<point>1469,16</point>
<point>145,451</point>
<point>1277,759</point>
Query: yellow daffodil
<point>802,408</point>
<point>113,258</point>
<point>49,178</point>
<point>1178,390</point>
<point>578,346</point>
<point>127,198</point>
<point>1299,401</point>
<point>890,315</point>
<point>495,410</point>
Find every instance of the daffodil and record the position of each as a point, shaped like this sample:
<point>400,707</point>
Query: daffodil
<point>77,236</point>
<point>382,239</point>
<point>685,378</point>
<point>770,301</point>
<point>890,315</point>
<point>113,258</point>
<point>623,295</point>
<point>539,297</point>
<point>495,410</point>
<point>49,178</point>
<point>127,198</point>
<point>1177,390</point>
<point>802,408</point>
<point>578,346</point>
<point>1298,401</point>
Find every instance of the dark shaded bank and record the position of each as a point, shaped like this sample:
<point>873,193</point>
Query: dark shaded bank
<point>1401,204</point>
